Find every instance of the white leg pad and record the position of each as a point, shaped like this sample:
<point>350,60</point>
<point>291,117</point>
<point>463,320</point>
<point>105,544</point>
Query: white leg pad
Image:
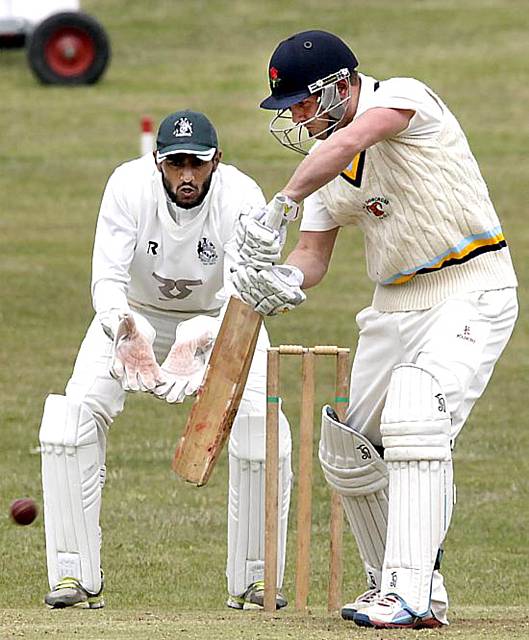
<point>71,481</point>
<point>353,467</point>
<point>246,501</point>
<point>416,437</point>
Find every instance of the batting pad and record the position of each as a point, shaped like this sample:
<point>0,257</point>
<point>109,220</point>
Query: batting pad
<point>71,483</point>
<point>416,436</point>
<point>246,501</point>
<point>353,467</point>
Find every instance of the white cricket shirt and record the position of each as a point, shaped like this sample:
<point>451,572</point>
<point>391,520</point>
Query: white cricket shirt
<point>143,258</point>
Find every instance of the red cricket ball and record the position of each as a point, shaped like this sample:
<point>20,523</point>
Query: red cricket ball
<point>24,510</point>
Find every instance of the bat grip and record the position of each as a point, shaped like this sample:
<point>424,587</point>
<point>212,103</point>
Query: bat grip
<point>275,215</point>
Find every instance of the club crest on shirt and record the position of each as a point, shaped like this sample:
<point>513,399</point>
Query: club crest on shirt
<point>207,252</point>
<point>375,206</point>
<point>183,128</point>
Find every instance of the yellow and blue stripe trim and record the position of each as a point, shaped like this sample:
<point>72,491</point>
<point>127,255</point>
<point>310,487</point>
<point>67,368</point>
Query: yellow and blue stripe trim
<point>468,248</point>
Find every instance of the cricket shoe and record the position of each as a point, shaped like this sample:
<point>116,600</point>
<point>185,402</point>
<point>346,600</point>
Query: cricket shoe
<point>391,612</point>
<point>69,593</point>
<point>253,598</point>
<point>364,600</point>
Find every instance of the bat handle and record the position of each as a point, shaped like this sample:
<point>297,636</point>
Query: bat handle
<point>276,212</point>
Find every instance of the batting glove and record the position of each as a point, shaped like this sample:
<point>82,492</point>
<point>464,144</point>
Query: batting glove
<point>258,244</point>
<point>133,361</point>
<point>270,291</point>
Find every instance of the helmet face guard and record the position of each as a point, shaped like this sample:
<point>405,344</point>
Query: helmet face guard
<point>331,106</point>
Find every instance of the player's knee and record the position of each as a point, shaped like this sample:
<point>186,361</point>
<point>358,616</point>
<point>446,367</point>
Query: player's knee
<point>67,423</point>
<point>415,420</point>
<point>104,404</point>
<point>248,437</point>
<point>350,463</point>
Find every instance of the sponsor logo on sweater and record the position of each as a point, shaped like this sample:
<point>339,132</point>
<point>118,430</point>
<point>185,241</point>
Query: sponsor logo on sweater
<point>175,289</point>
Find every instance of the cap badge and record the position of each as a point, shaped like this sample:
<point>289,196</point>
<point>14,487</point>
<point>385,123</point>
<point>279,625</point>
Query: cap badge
<point>183,128</point>
<point>274,77</point>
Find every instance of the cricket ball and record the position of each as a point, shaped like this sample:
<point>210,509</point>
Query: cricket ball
<point>24,510</point>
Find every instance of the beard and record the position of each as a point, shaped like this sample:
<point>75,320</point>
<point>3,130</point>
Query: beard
<point>188,202</point>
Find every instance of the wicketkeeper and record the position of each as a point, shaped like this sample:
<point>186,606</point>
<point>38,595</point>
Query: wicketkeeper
<point>163,250</point>
<point>389,157</point>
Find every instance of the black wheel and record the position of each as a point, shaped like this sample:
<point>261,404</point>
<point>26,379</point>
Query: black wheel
<point>69,49</point>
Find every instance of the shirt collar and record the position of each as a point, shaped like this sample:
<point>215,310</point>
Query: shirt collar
<point>367,87</point>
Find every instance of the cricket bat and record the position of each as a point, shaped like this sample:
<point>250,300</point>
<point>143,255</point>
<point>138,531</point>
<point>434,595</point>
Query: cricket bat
<point>219,396</point>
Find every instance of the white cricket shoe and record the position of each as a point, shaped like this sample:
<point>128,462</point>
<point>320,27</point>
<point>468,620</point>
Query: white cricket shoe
<point>391,612</point>
<point>364,600</point>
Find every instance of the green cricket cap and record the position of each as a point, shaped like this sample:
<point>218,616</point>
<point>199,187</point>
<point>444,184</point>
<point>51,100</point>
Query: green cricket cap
<point>186,132</point>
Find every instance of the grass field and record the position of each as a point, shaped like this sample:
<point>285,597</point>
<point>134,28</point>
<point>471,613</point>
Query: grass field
<point>165,542</point>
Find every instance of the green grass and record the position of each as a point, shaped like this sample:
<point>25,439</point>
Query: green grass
<point>165,542</point>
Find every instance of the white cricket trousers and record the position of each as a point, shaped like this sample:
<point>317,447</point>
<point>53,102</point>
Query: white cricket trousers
<point>458,341</point>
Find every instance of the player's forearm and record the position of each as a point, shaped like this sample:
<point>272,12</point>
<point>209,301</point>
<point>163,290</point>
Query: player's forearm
<point>312,267</point>
<point>322,166</point>
<point>335,153</point>
<point>312,254</point>
<point>109,294</point>
<point>110,303</point>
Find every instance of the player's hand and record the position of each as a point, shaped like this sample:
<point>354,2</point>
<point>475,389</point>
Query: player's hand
<point>185,365</point>
<point>270,291</point>
<point>258,244</point>
<point>133,362</point>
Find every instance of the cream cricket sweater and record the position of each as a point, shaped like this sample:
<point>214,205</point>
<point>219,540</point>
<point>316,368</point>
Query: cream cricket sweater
<point>430,228</point>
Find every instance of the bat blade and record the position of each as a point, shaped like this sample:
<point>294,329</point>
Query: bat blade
<point>219,396</point>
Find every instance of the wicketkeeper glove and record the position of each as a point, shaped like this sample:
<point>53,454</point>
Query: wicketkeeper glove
<point>185,365</point>
<point>258,244</point>
<point>270,291</point>
<point>133,362</point>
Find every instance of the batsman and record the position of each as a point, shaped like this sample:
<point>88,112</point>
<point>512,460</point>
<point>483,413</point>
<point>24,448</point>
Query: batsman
<point>163,253</point>
<point>389,157</point>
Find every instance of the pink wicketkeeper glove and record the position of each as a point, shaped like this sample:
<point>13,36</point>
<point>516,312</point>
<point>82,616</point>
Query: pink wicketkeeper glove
<point>134,363</point>
<point>185,365</point>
